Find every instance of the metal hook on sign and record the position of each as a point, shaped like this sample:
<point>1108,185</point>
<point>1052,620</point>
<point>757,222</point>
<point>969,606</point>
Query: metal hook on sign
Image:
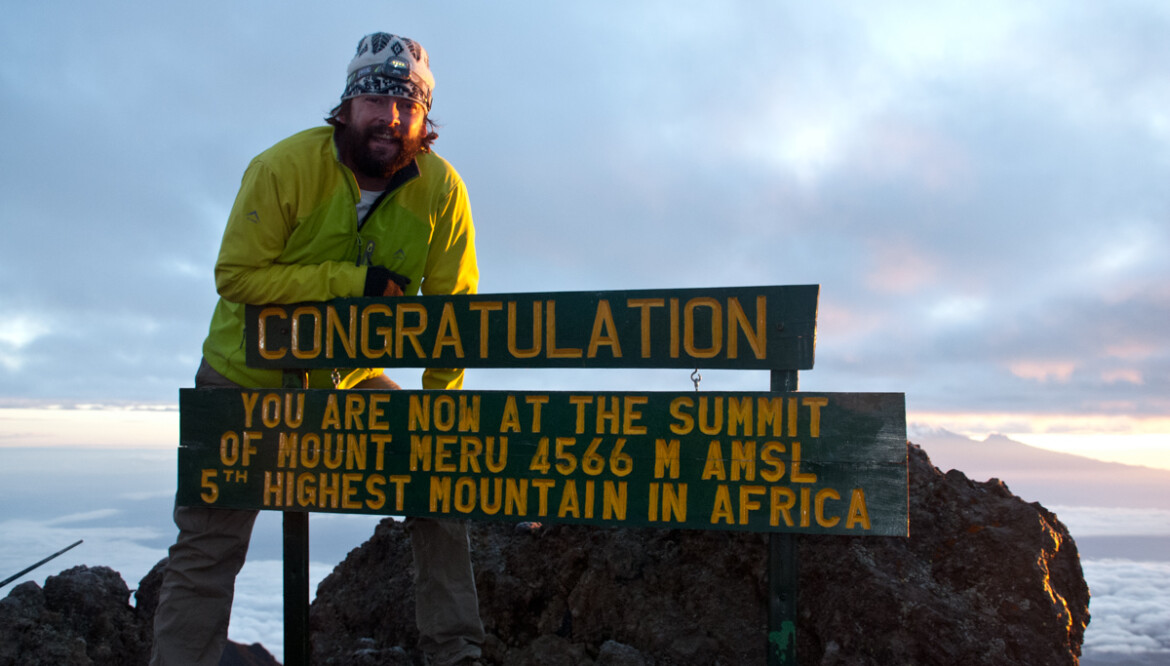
<point>696,378</point>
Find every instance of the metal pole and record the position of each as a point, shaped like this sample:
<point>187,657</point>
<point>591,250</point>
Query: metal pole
<point>782,571</point>
<point>296,566</point>
<point>296,588</point>
<point>21,573</point>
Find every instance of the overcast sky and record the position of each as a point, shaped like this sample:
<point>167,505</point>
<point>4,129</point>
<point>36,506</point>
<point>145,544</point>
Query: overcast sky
<point>979,189</point>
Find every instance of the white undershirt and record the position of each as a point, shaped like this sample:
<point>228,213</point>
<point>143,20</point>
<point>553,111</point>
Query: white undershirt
<point>367,200</point>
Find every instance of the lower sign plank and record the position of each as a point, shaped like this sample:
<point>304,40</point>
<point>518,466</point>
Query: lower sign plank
<point>827,463</point>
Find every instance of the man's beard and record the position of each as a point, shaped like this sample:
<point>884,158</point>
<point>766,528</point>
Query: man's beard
<point>355,145</point>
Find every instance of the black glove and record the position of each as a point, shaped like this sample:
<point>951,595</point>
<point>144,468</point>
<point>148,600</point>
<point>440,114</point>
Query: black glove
<point>377,278</point>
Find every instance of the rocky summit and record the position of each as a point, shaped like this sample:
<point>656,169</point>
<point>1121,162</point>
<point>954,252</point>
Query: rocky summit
<point>984,578</point>
<point>83,617</point>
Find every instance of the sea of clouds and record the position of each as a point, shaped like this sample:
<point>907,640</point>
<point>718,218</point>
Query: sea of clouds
<point>119,503</point>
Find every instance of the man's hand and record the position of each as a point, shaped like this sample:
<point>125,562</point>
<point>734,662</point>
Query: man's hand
<point>384,282</point>
<point>392,289</point>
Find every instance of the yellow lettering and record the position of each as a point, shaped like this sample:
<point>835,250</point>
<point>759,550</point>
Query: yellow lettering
<point>355,407</point>
<point>604,320</point>
<point>722,511</point>
<point>334,453</point>
<point>540,461</point>
<point>684,422</point>
<point>614,497</point>
<point>419,412</point>
<point>542,486</point>
<point>210,487</point>
<point>483,308</point>
<point>706,427</point>
<point>378,403</point>
<point>310,451</point>
<point>262,332</point>
<point>355,451</point>
<point>814,414</point>
<point>273,490</point>
<point>516,497</point>
<point>782,507</point>
<point>420,453</point>
<point>569,503</point>
<point>550,329</point>
<point>769,411</point>
<point>513,347</point>
<point>384,331</point>
<point>229,448</point>
<point>249,399</point>
<point>510,421</point>
<point>739,413</point>
<point>440,497</point>
<point>411,333</point>
<point>823,495</point>
<point>743,459</point>
<point>737,319</point>
<point>443,455</point>
<point>289,419</point>
<point>270,410</point>
<point>374,489</point>
<point>332,417</point>
<point>666,455</point>
<point>286,450</point>
<point>713,468</point>
<point>746,503</point>
<point>491,506</point>
<point>644,304</point>
<point>469,450</point>
<point>399,481</point>
<point>349,491</point>
<point>631,414</point>
<point>858,512</point>
<point>333,325</point>
<point>315,316</point>
<point>448,335</point>
<point>464,494</point>
<point>536,402</point>
<point>774,464</point>
<point>716,328</point>
<point>797,475</point>
<point>496,464</point>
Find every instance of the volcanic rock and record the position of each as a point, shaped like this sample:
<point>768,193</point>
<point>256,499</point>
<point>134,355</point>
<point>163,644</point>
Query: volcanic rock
<point>83,617</point>
<point>984,578</point>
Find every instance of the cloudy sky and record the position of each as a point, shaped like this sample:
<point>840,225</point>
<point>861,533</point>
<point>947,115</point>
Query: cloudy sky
<point>980,190</point>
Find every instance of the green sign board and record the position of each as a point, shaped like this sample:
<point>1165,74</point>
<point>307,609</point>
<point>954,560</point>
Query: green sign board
<point>829,463</point>
<point>736,328</point>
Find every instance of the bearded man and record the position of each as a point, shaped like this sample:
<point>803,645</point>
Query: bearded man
<point>361,207</point>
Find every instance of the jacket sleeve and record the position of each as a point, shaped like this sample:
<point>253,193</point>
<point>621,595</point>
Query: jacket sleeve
<point>249,269</point>
<point>451,268</point>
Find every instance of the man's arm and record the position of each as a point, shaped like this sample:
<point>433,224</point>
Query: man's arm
<point>257,232</point>
<point>451,268</point>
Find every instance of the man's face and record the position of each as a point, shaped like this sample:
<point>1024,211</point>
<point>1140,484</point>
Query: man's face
<point>381,135</point>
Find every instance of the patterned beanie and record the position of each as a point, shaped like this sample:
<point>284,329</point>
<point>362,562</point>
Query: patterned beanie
<point>387,64</point>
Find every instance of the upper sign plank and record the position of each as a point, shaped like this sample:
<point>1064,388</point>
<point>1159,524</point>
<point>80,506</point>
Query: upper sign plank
<point>746,328</point>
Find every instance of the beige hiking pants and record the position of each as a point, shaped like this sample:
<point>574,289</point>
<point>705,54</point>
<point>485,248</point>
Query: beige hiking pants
<point>195,600</point>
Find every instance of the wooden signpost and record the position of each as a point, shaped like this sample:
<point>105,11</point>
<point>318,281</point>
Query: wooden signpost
<point>780,461</point>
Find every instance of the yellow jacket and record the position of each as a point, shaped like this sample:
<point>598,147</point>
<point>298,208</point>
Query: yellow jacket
<point>293,235</point>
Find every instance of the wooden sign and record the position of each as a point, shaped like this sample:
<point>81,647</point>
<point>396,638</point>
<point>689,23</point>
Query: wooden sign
<point>736,328</point>
<point>829,463</point>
